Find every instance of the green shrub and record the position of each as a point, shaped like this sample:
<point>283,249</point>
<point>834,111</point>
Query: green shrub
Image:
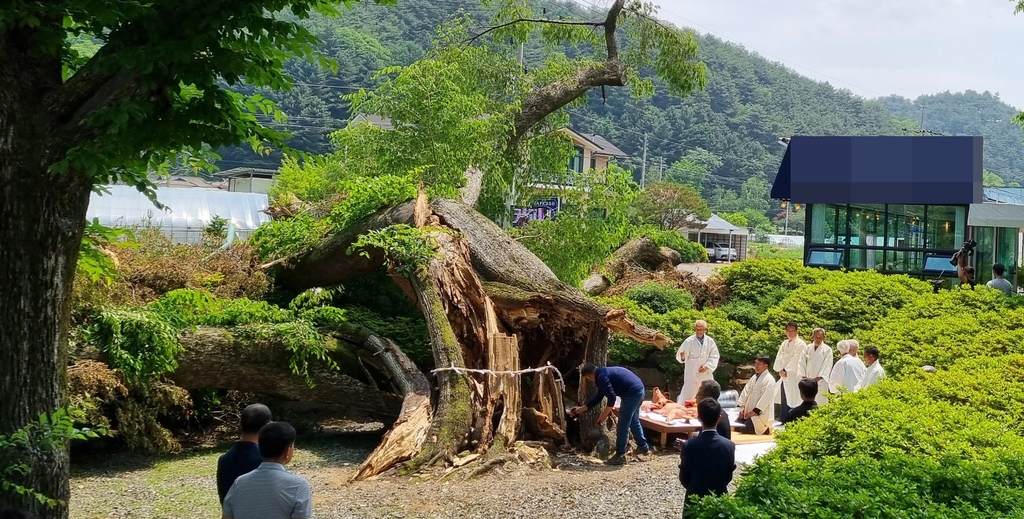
<point>660,298</point>
<point>691,252</point>
<point>931,446</point>
<point>138,343</point>
<point>845,301</point>
<point>759,280</point>
<point>940,329</point>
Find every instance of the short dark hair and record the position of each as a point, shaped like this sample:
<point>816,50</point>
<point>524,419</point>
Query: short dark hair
<point>254,417</point>
<point>998,268</point>
<point>871,350</point>
<point>709,389</point>
<point>808,387</point>
<point>793,324</point>
<point>588,369</point>
<point>275,438</point>
<point>709,411</point>
<point>764,358</point>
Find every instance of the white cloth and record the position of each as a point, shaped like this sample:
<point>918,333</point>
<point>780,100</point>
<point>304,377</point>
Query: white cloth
<point>759,393</point>
<point>692,354</point>
<point>788,359</point>
<point>847,372</point>
<point>814,363</point>
<point>872,375</point>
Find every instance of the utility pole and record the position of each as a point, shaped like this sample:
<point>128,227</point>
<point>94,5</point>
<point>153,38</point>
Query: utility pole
<point>522,63</point>
<point>643,165</point>
<point>661,169</point>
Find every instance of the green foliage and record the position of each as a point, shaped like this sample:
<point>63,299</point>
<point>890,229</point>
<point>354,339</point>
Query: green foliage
<point>763,281</point>
<point>737,219</point>
<point>935,446</point>
<point>768,251</point>
<point>409,332</point>
<point>690,251</point>
<point>694,168</point>
<point>188,307</point>
<point>94,261</point>
<point>49,432</point>
<point>594,222</point>
<point>366,196</point>
<point>671,206</point>
<point>217,228</point>
<point>291,237</point>
<point>844,302</point>
<point>939,329</point>
<point>660,298</point>
<point>314,298</point>
<point>406,249</point>
<point>139,343</point>
<point>300,338</point>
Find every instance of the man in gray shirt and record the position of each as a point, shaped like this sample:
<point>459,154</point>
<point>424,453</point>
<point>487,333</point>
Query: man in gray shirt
<point>270,491</point>
<point>998,281</point>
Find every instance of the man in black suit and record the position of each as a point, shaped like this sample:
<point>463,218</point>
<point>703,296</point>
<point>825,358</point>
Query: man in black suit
<point>808,392</point>
<point>708,461</point>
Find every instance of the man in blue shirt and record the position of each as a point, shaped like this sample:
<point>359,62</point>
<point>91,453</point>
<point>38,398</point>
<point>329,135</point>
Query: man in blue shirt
<point>612,382</point>
<point>244,456</point>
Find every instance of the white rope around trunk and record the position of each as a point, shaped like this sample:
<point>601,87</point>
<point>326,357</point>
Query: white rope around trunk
<point>541,369</point>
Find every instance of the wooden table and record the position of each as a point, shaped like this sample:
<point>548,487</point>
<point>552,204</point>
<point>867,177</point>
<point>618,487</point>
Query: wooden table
<point>665,429</point>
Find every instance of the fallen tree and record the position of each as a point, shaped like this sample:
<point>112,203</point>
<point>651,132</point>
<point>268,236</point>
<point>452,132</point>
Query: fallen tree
<point>490,304</point>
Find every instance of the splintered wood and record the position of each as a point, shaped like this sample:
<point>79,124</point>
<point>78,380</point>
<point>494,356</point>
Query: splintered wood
<point>503,355</point>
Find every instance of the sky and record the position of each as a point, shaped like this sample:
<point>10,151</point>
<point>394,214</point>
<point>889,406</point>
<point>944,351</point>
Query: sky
<point>875,47</point>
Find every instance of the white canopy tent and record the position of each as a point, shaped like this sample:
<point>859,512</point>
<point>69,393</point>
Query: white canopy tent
<point>996,215</point>
<point>718,226</point>
<point>188,211</point>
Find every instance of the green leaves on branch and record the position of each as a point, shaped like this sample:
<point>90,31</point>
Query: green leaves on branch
<point>95,261</point>
<point>139,343</point>
<point>406,249</point>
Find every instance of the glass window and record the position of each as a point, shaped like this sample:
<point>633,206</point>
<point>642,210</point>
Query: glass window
<point>905,228</point>
<point>828,224</point>
<point>576,162</point>
<point>825,258</point>
<point>945,227</point>
<point>1006,252</point>
<point>983,253</point>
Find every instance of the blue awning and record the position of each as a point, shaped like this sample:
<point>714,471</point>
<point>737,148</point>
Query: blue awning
<point>881,170</point>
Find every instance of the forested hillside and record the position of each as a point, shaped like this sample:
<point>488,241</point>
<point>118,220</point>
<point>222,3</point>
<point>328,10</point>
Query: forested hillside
<point>730,130</point>
<point>971,113</point>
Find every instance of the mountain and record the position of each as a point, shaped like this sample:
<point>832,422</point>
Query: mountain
<point>970,113</point>
<point>748,104</point>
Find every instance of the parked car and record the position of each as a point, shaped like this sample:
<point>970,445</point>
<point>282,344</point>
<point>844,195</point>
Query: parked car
<point>720,252</point>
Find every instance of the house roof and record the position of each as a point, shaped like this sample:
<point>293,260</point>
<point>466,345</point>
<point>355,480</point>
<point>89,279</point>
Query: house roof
<point>247,172</point>
<point>606,148</point>
<point>384,123</point>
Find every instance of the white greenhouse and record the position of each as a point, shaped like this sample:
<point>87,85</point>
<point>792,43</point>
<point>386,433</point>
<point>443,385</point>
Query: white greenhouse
<point>188,212</point>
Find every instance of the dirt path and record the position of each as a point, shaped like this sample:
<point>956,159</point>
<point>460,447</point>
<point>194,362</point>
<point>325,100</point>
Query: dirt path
<point>124,486</point>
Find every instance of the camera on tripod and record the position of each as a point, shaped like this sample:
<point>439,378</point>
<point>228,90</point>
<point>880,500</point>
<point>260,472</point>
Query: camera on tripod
<point>966,249</point>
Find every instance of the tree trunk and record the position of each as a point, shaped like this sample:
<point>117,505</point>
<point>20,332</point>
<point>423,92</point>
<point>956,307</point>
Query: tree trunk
<point>41,224</point>
<point>216,358</point>
<point>594,435</point>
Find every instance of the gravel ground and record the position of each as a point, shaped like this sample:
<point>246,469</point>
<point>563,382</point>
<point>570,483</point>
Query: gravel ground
<point>123,486</point>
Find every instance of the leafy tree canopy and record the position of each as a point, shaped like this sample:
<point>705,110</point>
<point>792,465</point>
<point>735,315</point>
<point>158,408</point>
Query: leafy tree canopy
<point>671,206</point>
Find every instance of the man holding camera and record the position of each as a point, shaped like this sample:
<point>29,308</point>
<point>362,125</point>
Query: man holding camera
<point>961,259</point>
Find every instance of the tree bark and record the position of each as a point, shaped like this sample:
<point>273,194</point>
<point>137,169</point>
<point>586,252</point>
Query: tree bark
<point>216,358</point>
<point>594,435</point>
<point>41,223</point>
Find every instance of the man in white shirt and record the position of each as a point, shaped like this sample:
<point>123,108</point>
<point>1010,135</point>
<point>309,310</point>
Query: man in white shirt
<point>874,371</point>
<point>816,363</point>
<point>786,362</point>
<point>699,356</point>
<point>757,401</point>
<point>848,370</point>
<point>270,491</point>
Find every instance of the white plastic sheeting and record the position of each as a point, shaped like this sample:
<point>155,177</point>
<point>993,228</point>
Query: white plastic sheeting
<point>188,210</point>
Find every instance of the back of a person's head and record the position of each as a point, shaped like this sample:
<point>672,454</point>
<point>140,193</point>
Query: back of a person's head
<point>254,417</point>
<point>998,269</point>
<point>275,438</point>
<point>871,350</point>
<point>10,513</point>
<point>588,369</point>
<point>808,388</point>
<point>709,411</point>
<point>709,389</point>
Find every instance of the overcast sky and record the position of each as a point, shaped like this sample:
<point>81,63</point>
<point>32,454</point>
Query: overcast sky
<point>875,47</point>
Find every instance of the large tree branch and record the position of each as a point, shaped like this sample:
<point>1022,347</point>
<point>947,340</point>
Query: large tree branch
<point>610,24</point>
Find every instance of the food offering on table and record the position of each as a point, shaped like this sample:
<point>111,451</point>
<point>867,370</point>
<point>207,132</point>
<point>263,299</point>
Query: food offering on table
<point>662,405</point>
<point>690,403</point>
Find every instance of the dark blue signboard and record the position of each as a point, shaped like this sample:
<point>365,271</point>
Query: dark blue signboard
<point>881,170</point>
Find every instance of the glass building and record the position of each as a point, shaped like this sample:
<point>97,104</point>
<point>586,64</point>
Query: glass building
<point>900,205</point>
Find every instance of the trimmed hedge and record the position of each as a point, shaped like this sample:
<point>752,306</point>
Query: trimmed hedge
<point>944,445</point>
<point>765,282</point>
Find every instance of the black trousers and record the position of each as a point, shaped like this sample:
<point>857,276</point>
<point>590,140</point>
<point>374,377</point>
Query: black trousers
<point>783,407</point>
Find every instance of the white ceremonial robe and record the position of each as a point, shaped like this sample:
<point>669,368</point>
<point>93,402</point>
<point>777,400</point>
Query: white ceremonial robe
<point>847,373</point>
<point>692,354</point>
<point>816,362</point>
<point>872,375</point>
<point>788,358</point>
<point>759,393</point>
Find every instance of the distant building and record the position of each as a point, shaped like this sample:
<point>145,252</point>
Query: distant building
<point>249,180</point>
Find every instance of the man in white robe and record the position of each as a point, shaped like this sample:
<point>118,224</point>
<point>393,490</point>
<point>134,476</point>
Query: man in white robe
<point>848,370</point>
<point>786,362</point>
<point>699,356</point>
<point>757,401</point>
<point>874,372</point>
<point>816,363</point>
